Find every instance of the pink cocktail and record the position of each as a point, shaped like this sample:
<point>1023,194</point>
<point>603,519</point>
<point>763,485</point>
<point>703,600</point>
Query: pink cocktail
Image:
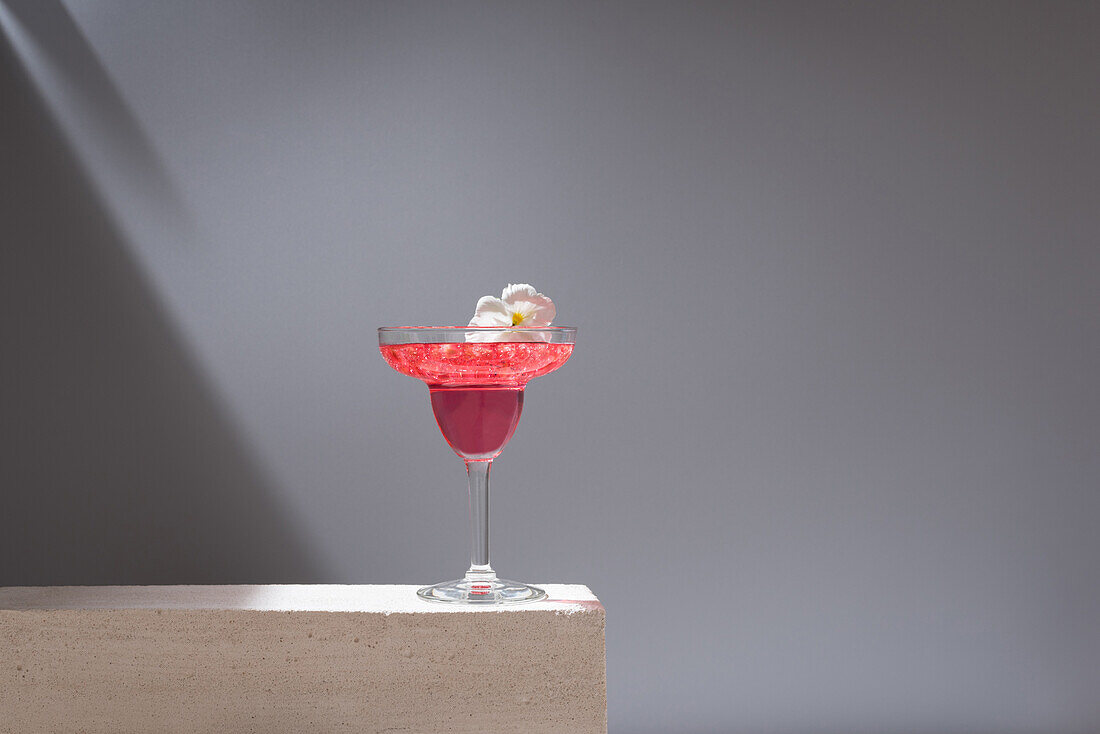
<point>476,389</point>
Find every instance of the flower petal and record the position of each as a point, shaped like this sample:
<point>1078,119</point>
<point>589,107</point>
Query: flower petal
<point>491,311</point>
<point>537,309</point>
<point>519,292</point>
<point>525,309</point>
<point>537,312</point>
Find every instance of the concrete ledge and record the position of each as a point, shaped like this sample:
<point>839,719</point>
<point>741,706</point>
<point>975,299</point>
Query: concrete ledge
<point>296,658</point>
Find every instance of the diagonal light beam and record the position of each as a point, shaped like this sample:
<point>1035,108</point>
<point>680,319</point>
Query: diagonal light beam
<point>102,130</point>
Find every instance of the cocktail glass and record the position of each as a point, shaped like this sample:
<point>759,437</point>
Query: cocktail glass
<point>476,377</point>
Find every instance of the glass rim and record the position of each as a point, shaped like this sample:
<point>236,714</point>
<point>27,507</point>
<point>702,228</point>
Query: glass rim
<point>476,328</point>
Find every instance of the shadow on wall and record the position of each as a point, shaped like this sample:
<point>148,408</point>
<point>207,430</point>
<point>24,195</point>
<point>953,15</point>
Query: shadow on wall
<point>117,465</point>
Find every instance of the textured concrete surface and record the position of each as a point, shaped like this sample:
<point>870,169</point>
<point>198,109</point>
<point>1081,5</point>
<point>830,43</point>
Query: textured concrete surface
<point>296,658</point>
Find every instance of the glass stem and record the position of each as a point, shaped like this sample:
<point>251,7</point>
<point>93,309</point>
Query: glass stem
<point>480,570</point>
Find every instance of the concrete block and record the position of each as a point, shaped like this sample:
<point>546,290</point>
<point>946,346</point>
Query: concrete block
<point>296,659</point>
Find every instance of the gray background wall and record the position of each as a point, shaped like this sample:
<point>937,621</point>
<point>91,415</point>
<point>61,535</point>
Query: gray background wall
<point>827,449</point>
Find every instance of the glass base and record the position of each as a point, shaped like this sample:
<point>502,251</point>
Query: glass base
<point>489,591</point>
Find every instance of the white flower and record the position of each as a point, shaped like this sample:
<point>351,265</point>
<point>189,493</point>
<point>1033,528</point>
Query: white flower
<point>520,306</point>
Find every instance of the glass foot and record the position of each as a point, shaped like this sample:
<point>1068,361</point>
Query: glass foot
<point>490,591</point>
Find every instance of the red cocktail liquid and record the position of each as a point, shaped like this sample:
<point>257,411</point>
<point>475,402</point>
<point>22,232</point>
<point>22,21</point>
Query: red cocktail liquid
<point>477,421</point>
<point>476,387</point>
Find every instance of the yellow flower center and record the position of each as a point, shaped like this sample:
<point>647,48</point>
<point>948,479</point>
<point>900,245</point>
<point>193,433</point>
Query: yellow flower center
<point>517,318</point>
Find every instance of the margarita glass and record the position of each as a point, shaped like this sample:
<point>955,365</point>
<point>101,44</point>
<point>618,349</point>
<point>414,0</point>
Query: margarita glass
<point>476,377</point>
